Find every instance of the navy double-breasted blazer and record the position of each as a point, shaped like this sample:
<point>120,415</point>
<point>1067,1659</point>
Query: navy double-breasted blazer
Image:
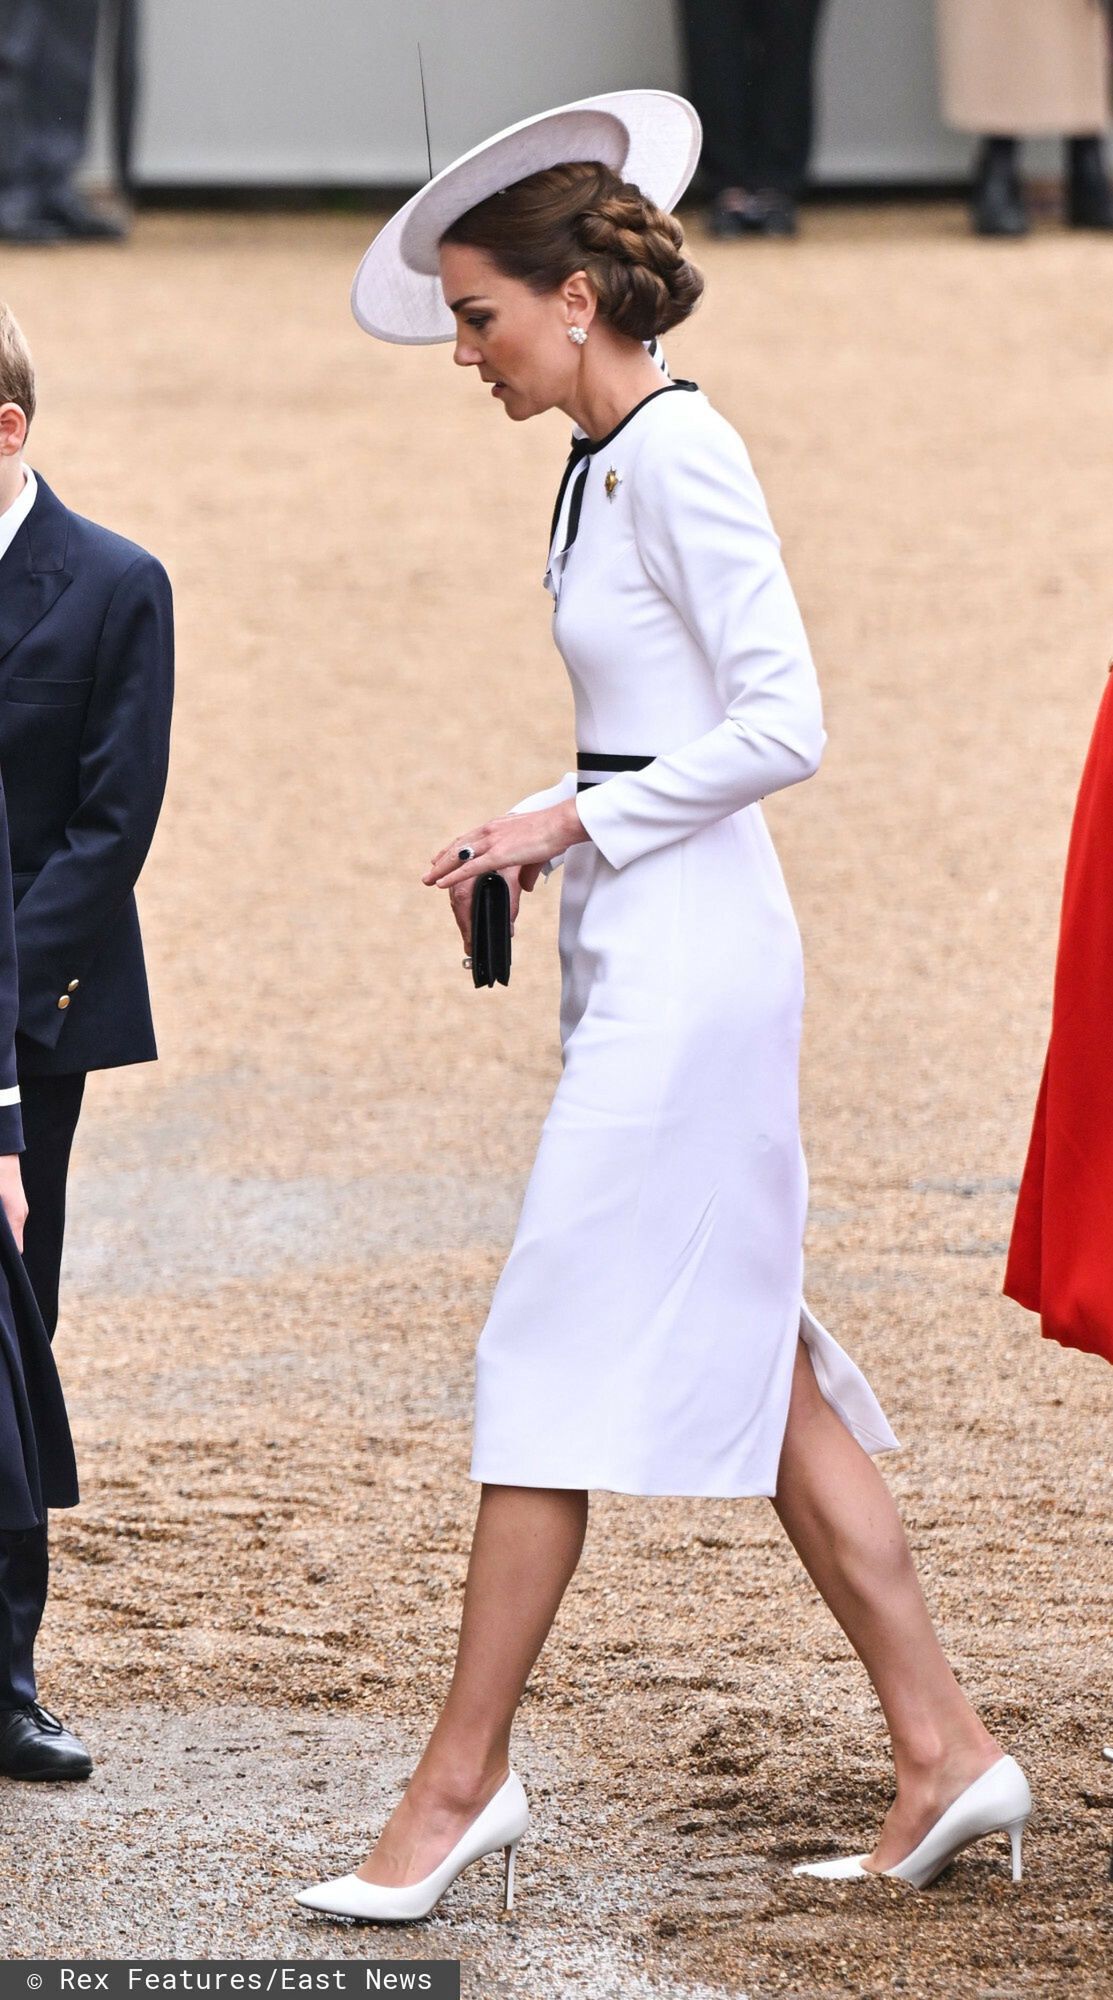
<point>86,687</point>
<point>37,1467</point>
<point>11,1122</point>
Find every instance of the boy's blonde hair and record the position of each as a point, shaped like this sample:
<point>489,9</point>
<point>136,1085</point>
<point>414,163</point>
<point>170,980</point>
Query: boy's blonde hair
<point>17,372</point>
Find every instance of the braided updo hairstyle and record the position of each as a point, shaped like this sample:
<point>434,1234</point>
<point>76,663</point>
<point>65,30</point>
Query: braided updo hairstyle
<point>582,217</point>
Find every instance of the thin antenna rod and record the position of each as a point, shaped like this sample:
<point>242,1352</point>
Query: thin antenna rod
<point>425,111</point>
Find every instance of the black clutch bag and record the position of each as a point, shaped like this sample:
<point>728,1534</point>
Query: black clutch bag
<point>490,931</point>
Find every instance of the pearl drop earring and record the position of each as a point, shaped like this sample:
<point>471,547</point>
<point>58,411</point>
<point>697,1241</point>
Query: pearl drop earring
<point>578,334</point>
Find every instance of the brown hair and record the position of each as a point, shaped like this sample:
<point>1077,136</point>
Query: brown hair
<point>17,374</point>
<point>582,217</point>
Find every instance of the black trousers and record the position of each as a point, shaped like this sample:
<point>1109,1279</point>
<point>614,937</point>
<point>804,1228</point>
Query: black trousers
<point>51,1106</point>
<point>47,51</point>
<point>24,1577</point>
<point>750,76</point>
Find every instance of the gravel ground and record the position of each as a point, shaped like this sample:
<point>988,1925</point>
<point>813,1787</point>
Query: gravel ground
<point>284,1237</point>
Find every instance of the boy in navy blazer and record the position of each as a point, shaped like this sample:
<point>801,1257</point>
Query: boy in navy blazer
<point>86,685</point>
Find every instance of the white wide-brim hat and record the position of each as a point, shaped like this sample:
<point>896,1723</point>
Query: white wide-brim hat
<point>650,137</point>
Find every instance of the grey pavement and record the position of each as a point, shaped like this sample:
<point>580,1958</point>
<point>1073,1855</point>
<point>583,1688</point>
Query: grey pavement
<point>169,1229</point>
<point>264,1801</point>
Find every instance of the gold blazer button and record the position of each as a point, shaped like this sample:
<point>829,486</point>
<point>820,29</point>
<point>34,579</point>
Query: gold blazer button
<point>73,986</point>
<point>64,1001</point>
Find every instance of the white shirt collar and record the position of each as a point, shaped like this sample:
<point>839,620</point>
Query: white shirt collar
<point>11,521</point>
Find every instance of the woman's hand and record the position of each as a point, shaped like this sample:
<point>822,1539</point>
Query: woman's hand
<point>515,840</point>
<point>12,1198</point>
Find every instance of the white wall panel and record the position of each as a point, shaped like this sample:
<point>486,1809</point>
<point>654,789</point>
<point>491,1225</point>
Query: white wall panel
<point>326,91</point>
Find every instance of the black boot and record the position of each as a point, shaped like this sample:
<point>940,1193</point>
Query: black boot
<point>997,208</point>
<point>1089,194</point>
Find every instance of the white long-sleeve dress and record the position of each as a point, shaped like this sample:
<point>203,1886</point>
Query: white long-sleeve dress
<point>642,1333</point>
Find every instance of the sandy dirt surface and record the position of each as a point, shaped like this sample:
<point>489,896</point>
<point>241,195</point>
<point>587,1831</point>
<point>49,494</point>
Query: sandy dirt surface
<point>285,1235</point>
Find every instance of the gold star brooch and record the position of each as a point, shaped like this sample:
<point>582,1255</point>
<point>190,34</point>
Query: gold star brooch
<point>611,483</point>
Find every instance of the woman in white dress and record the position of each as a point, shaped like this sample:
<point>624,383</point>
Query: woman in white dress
<point>648,1333</point>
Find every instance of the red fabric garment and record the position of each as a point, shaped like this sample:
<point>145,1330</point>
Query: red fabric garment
<point>1060,1261</point>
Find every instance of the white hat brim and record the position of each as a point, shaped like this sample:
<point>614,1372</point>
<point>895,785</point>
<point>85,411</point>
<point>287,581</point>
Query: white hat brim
<point>650,137</point>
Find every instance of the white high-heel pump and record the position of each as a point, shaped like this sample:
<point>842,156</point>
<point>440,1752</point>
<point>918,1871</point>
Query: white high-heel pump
<point>502,1823</point>
<point>997,1802</point>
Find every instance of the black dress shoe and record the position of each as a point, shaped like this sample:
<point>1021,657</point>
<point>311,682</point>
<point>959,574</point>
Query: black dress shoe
<point>766,212</point>
<point>998,205</point>
<point>34,1744</point>
<point>724,217</point>
<point>770,212</point>
<point>1089,194</point>
<point>74,217</point>
<point>29,229</point>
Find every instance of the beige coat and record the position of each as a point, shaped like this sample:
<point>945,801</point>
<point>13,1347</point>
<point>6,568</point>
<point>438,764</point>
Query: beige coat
<point>1024,66</point>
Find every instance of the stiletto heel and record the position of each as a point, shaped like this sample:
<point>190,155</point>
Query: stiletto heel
<point>997,1802</point>
<point>501,1823</point>
<point>508,1877</point>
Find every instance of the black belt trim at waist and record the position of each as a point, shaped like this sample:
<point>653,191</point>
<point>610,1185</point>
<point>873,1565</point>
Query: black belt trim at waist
<point>596,760</point>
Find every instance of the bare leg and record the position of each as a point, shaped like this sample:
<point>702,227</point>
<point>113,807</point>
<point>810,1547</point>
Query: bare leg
<point>841,1518</point>
<point>525,1548</point>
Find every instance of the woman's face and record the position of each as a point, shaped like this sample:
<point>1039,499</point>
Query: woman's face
<point>517,338</point>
